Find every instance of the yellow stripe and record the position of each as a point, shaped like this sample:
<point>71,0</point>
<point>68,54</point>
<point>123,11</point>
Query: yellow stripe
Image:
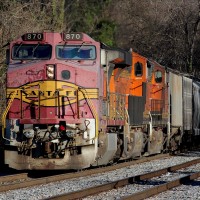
<point>48,92</point>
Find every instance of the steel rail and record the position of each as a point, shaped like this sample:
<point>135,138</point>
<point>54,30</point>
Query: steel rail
<point>130,180</point>
<point>45,180</point>
<point>13,177</point>
<point>162,188</point>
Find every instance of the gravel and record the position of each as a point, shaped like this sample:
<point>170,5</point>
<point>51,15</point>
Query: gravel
<point>191,191</point>
<point>70,185</point>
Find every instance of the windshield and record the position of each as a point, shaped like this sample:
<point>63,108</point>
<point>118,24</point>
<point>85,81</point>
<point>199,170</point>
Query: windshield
<point>31,51</point>
<point>76,52</point>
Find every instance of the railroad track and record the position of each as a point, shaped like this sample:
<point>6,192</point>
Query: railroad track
<point>18,181</point>
<point>136,179</point>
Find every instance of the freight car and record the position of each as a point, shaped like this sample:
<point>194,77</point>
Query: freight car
<point>73,102</point>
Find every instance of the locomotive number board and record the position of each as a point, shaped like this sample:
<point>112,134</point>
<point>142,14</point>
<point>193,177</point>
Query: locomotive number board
<point>33,37</point>
<point>72,36</point>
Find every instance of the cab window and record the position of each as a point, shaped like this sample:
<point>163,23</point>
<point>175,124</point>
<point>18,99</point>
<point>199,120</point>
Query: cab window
<point>31,51</point>
<point>138,69</point>
<point>158,76</point>
<point>76,52</point>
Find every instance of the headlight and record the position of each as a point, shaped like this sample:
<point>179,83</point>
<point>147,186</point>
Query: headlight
<point>51,71</point>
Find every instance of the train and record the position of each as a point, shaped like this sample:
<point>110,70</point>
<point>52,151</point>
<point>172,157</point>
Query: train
<point>76,103</point>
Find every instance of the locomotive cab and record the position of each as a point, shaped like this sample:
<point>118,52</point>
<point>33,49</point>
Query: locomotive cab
<point>53,94</point>
<point>158,109</point>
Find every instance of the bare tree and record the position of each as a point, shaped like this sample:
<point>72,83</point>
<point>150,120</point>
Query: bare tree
<point>165,30</point>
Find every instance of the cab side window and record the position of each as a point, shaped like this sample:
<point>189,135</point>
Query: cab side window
<point>138,69</point>
<point>158,76</point>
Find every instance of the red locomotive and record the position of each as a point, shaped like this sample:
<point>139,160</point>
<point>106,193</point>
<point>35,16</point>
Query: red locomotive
<point>75,103</point>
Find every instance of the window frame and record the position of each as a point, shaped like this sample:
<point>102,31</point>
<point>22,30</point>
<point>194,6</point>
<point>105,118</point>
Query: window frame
<point>36,46</point>
<point>136,70</point>
<point>158,79</point>
<point>79,46</point>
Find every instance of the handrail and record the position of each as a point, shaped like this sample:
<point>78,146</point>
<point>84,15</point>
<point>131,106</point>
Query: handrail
<point>13,94</point>
<point>150,127</point>
<point>6,112</point>
<point>93,110</point>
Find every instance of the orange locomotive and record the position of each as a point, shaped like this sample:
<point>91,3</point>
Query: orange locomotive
<point>75,103</point>
<point>141,120</point>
